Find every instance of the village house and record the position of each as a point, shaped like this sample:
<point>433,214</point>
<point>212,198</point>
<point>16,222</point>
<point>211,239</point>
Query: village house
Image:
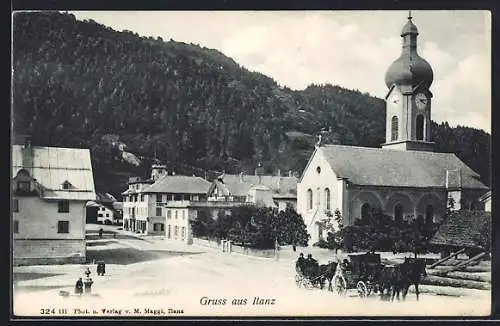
<point>145,203</point>
<point>261,190</point>
<point>50,188</point>
<point>404,178</point>
<point>104,210</point>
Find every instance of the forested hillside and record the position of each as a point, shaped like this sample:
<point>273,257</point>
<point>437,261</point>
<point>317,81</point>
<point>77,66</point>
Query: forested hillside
<point>130,98</point>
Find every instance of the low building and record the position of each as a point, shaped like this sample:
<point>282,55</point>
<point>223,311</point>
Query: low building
<point>261,190</point>
<point>462,229</point>
<point>50,188</point>
<point>145,201</point>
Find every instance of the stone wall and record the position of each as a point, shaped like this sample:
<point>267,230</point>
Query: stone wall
<point>49,251</point>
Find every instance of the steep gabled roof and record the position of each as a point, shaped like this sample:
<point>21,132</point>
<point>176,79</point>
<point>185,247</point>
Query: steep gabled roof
<point>52,166</point>
<point>180,184</point>
<point>395,168</point>
<point>461,229</point>
<point>239,185</point>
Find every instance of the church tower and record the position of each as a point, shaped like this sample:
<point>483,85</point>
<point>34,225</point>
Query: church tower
<point>408,101</point>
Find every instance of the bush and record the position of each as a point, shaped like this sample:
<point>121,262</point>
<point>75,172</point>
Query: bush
<point>322,243</point>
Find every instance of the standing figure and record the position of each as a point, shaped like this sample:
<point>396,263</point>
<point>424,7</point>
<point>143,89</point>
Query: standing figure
<point>79,286</point>
<point>87,272</point>
<point>300,264</point>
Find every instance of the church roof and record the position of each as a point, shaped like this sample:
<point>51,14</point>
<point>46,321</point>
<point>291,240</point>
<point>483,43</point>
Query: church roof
<point>461,229</point>
<point>396,168</point>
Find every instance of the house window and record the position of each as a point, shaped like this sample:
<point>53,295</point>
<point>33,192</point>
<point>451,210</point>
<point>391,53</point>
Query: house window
<point>15,205</point>
<point>327,198</point>
<point>169,213</point>
<point>309,199</point>
<point>168,233</point>
<point>177,197</point>
<point>183,215</point>
<point>318,169</point>
<point>107,215</point>
<point>158,211</point>
<point>62,226</point>
<point>66,185</point>
<point>158,198</point>
<point>394,128</point>
<point>142,197</point>
<point>183,232</point>
<point>175,214</point>
<point>158,227</point>
<point>196,198</point>
<point>429,214</point>
<point>398,213</point>
<point>16,226</point>
<point>23,186</point>
<point>99,215</point>
<point>63,206</point>
<point>365,211</point>
<point>420,127</point>
<point>176,231</point>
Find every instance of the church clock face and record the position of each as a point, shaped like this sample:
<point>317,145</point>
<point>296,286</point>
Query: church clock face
<point>421,100</point>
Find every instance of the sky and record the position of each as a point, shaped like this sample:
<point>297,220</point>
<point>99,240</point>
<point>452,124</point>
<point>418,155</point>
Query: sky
<point>352,49</point>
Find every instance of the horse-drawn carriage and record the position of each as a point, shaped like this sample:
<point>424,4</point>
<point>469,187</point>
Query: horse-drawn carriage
<point>359,272</point>
<point>314,275</point>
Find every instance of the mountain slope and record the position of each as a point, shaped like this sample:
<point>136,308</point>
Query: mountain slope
<point>81,84</point>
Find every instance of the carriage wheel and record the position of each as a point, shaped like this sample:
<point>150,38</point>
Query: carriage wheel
<point>340,285</point>
<point>362,289</point>
<point>307,284</point>
<point>298,280</point>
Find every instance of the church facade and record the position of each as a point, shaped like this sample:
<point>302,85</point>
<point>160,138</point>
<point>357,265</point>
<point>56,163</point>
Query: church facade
<point>404,178</point>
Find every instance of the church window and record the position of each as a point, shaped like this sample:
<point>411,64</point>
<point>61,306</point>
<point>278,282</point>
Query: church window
<point>327,198</point>
<point>394,128</point>
<point>365,211</point>
<point>420,127</point>
<point>318,169</point>
<point>398,213</point>
<point>309,199</point>
<point>429,214</point>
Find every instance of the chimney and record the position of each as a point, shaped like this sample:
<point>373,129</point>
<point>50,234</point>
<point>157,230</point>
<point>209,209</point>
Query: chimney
<point>279,179</point>
<point>27,154</point>
<point>454,189</point>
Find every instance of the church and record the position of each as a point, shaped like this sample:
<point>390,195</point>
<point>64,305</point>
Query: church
<point>404,178</point>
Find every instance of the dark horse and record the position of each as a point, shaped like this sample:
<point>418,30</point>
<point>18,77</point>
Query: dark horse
<point>326,273</point>
<point>390,281</point>
<point>413,270</point>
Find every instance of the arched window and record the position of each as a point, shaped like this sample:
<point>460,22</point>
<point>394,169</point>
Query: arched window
<point>309,199</point>
<point>398,213</point>
<point>365,211</point>
<point>327,198</point>
<point>429,214</point>
<point>394,128</point>
<point>420,127</point>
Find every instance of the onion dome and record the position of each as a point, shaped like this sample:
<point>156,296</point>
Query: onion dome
<point>409,69</point>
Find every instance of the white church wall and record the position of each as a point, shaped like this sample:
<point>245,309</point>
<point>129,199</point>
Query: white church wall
<point>317,182</point>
